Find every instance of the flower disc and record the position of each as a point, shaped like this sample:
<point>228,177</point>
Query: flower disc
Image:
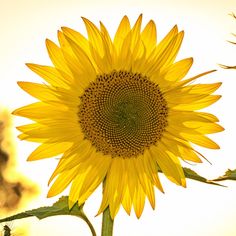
<point>122,113</point>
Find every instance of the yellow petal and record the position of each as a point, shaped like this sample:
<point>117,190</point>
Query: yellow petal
<point>144,180</point>
<point>124,60</point>
<point>136,32</point>
<point>175,49</point>
<point>139,201</point>
<point>57,57</point>
<point>182,150</point>
<point>76,186</point>
<point>76,64</point>
<point>74,156</point>
<point>181,98</point>
<point>202,103</point>
<point>106,37</point>
<point>189,155</point>
<point>46,150</point>
<point>137,26</point>
<point>99,165</point>
<point>115,185</point>
<point>84,169</point>
<point>165,55</point>
<point>152,170</point>
<point>132,176</point>
<point>83,65</point>
<point>77,61</point>
<point>149,36</point>
<point>127,201</point>
<point>163,44</point>
<point>184,116</point>
<point>204,128</point>
<point>178,70</point>
<point>57,132</point>
<point>168,164</point>
<point>39,91</point>
<point>94,36</point>
<point>105,201</point>
<point>109,51</point>
<point>31,139</point>
<point>78,38</point>
<point>32,111</point>
<point>201,88</point>
<point>167,39</point>
<point>146,184</point>
<point>208,116</point>
<point>51,75</point>
<point>187,81</point>
<point>62,181</point>
<point>64,45</point>
<point>121,33</point>
<point>201,140</point>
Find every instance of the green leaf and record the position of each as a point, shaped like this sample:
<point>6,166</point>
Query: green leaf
<point>229,175</point>
<point>194,176</point>
<point>58,208</point>
<point>190,174</point>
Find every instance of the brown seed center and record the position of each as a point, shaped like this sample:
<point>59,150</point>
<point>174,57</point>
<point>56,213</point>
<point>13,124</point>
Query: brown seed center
<point>122,114</point>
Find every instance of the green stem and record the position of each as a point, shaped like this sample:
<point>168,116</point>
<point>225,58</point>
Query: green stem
<point>107,223</point>
<point>89,225</point>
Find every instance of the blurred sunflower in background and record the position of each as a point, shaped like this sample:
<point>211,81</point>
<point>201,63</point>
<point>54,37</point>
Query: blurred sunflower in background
<point>118,110</point>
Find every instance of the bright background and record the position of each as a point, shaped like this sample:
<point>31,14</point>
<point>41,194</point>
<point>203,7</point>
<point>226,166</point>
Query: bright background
<point>199,210</point>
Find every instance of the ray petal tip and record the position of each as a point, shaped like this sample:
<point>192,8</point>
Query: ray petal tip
<point>125,19</point>
<point>59,33</point>
<point>50,194</point>
<point>47,41</point>
<point>175,27</point>
<point>152,22</point>
<point>30,158</point>
<point>181,33</point>
<point>20,83</point>
<point>64,28</point>
<point>85,20</point>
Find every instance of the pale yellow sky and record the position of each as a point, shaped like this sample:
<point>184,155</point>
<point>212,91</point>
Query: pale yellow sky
<point>198,210</point>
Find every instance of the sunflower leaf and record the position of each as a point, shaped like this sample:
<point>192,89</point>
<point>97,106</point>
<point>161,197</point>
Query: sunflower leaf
<point>190,174</point>
<point>229,175</point>
<point>58,208</point>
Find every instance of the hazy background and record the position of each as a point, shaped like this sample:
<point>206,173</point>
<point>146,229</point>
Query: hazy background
<point>198,210</point>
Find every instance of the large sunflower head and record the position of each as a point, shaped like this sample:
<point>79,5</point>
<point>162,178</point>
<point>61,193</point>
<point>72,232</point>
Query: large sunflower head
<point>118,110</point>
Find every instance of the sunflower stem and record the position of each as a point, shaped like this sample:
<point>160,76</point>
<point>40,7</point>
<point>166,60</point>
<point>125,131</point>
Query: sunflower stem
<point>90,225</point>
<point>107,223</point>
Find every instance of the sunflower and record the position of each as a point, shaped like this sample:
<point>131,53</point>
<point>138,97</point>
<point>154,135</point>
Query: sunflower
<point>118,111</point>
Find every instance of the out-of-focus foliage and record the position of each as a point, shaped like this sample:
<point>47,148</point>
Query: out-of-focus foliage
<point>14,187</point>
